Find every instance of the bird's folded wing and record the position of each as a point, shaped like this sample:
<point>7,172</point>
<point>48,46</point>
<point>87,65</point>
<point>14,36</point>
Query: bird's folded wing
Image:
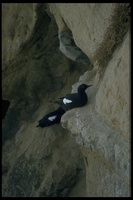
<point>65,101</point>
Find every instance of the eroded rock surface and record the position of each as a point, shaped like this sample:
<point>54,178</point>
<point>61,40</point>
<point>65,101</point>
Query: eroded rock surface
<point>88,154</point>
<point>102,127</point>
<point>88,22</point>
<point>33,161</point>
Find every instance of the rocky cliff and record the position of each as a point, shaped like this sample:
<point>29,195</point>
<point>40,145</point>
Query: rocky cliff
<point>88,153</point>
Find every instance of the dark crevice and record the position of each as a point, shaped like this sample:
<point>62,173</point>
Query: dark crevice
<point>86,161</point>
<point>5,106</point>
<point>40,30</point>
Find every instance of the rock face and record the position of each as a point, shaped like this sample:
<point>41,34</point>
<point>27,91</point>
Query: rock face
<point>69,48</point>
<point>90,20</point>
<point>37,162</point>
<point>16,28</point>
<point>102,128</point>
<point>88,154</point>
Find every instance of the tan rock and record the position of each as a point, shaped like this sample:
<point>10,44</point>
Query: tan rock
<point>17,26</point>
<point>96,147</point>
<point>91,20</point>
<point>113,97</point>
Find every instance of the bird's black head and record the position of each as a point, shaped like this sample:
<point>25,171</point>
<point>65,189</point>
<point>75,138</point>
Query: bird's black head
<point>83,87</point>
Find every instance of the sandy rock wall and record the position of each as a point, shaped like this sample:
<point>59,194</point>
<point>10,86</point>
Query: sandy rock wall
<point>88,154</point>
<point>115,89</point>
<point>102,127</point>
<point>36,162</point>
<point>105,144</point>
<point>17,26</point>
<point>84,19</point>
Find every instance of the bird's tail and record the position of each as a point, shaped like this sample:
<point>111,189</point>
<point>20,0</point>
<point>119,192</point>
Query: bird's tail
<point>57,101</point>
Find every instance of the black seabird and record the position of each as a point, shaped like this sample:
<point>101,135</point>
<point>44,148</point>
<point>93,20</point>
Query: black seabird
<point>75,99</point>
<point>51,118</point>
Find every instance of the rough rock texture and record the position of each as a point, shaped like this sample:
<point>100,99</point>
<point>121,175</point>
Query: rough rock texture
<point>17,25</point>
<point>42,166</point>
<point>102,127</point>
<point>115,89</point>
<point>89,155</point>
<point>37,162</point>
<point>91,20</point>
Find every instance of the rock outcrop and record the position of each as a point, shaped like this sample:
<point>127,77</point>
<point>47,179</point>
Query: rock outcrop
<point>88,154</point>
<point>102,127</point>
<point>37,162</point>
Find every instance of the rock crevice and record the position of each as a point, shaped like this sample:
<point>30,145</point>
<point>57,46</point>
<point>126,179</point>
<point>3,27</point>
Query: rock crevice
<point>88,153</point>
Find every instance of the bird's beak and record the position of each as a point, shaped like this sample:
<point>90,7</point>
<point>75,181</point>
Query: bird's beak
<point>89,86</point>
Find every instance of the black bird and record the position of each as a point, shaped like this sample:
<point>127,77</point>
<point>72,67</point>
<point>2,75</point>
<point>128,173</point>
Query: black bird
<point>74,100</point>
<point>51,118</point>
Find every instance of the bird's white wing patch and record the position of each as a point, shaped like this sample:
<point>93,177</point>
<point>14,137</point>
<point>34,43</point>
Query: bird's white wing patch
<point>52,118</point>
<point>65,101</point>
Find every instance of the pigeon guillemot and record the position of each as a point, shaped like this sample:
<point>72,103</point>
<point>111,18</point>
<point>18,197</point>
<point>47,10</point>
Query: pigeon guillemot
<point>51,118</point>
<point>75,99</point>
